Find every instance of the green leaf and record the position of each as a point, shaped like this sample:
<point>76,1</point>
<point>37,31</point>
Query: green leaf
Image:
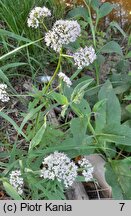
<point>95,4</point>
<point>13,35</point>
<point>12,65</point>
<point>126,148</point>
<point>18,49</point>
<point>38,137</point>
<point>105,9</point>
<point>98,105</point>
<point>112,109</point>
<point>111,47</point>
<point>31,114</point>
<point>59,98</point>
<point>4,77</point>
<point>128,97</point>
<point>75,74</point>
<point>78,12</point>
<point>78,128</point>
<point>128,108</point>
<point>117,26</point>
<point>11,191</point>
<point>118,176</point>
<point>78,91</point>
<point>81,109</point>
<point>100,115</point>
<point>6,80</point>
<point>119,134</point>
<point>70,147</point>
<point>128,54</point>
<point>6,117</point>
<point>51,135</point>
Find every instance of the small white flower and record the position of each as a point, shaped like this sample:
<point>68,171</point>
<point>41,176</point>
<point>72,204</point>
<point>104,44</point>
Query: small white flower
<point>84,56</point>
<point>87,169</point>
<point>63,32</point>
<point>59,166</point>
<point>3,94</point>
<point>65,78</point>
<point>36,15</point>
<point>17,181</point>
<point>33,22</point>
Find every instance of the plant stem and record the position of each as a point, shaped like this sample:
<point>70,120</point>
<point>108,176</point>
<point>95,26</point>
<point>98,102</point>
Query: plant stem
<point>56,71</point>
<point>97,73</point>
<point>43,24</point>
<point>97,20</point>
<point>68,56</point>
<point>91,24</point>
<point>93,31</point>
<point>37,122</point>
<point>119,154</point>
<point>92,129</point>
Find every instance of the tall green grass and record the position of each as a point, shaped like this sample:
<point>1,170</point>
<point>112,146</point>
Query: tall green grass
<point>14,13</point>
<point>14,34</point>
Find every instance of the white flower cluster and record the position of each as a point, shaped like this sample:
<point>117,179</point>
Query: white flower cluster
<point>63,32</point>
<point>17,181</point>
<point>84,56</point>
<point>59,166</point>
<point>36,15</point>
<point>3,94</point>
<point>87,169</point>
<point>65,78</point>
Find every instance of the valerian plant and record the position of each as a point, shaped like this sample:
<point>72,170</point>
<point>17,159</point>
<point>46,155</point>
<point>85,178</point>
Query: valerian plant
<point>47,166</point>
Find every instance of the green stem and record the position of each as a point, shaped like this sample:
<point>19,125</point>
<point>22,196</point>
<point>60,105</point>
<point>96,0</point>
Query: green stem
<point>43,24</point>
<point>56,71</point>
<point>91,24</point>
<point>97,20</point>
<point>37,122</point>
<point>68,56</point>
<point>119,154</point>
<point>97,74</point>
<point>93,31</point>
<point>90,127</point>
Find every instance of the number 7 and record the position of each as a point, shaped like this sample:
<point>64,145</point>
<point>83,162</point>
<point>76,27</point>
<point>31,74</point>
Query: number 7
<point>122,205</point>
